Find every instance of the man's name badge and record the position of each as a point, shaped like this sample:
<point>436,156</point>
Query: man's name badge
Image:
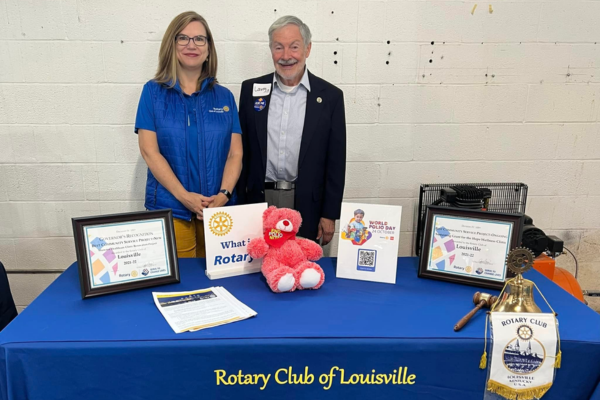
<point>261,89</point>
<point>260,104</point>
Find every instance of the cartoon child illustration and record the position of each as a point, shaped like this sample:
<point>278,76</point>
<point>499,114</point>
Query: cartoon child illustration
<point>356,230</point>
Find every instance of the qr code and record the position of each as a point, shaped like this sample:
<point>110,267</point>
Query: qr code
<point>367,260</point>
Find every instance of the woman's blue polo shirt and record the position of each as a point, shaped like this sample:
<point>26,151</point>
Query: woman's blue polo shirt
<point>193,134</point>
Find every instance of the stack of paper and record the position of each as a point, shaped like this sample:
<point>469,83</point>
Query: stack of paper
<point>200,309</point>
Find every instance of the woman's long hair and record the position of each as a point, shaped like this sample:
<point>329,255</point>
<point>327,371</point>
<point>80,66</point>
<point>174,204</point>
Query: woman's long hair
<point>167,58</point>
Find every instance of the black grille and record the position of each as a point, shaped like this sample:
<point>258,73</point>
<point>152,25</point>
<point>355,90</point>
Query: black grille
<point>498,197</point>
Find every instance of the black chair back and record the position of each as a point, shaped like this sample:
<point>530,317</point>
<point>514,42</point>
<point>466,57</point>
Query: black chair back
<point>8,311</point>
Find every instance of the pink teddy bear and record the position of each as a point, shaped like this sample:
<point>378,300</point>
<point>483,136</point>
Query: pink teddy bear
<point>287,263</point>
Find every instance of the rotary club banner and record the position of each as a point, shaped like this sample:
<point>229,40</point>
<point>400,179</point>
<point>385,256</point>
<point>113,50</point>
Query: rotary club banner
<point>524,355</point>
<point>227,232</point>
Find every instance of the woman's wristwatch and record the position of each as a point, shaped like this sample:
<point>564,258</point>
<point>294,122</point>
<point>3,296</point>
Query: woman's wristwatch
<point>226,193</point>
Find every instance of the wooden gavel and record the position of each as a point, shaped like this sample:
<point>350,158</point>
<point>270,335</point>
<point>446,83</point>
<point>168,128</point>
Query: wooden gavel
<point>482,300</point>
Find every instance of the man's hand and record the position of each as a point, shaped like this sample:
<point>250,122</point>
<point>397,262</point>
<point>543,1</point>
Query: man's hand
<point>326,229</point>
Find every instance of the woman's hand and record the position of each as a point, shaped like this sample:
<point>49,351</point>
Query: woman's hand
<point>196,203</point>
<point>218,200</point>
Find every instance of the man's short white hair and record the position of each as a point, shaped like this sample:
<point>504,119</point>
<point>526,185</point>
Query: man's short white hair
<point>290,20</point>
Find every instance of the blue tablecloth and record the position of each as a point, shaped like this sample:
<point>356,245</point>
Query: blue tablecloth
<point>120,347</point>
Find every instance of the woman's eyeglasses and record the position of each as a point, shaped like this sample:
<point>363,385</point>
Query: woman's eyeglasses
<point>184,40</point>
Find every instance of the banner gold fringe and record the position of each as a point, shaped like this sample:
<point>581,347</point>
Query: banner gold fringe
<point>517,394</point>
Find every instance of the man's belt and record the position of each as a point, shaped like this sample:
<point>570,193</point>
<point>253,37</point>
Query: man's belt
<point>280,185</point>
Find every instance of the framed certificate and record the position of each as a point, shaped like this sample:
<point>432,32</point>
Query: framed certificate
<point>469,246</point>
<point>125,251</point>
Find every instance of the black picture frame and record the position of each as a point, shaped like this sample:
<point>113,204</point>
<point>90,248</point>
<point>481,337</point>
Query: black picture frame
<point>484,216</point>
<point>83,255</point>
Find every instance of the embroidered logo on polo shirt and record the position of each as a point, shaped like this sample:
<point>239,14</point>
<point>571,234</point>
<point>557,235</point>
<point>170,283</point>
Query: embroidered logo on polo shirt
<point>219,110</point>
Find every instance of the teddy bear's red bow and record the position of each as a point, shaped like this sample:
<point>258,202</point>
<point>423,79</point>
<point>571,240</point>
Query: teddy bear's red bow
<point>277,238</point>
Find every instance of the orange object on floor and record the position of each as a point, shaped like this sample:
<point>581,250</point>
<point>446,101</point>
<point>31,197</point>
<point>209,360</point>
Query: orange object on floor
<point>565,280</point>
<point>547,267</point>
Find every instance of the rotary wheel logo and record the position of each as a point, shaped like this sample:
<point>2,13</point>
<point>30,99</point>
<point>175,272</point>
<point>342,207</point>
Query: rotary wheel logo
<point>134,274</point>
<point>220,223</point>
<point>524,332</point>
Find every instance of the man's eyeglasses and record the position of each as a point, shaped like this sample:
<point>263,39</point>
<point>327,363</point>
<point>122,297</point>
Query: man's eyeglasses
<point>184,40</point>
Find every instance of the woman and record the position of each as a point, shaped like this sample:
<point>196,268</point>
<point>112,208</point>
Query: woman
<point>189,132</point>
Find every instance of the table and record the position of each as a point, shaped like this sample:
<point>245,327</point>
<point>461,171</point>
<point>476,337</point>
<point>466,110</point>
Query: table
<point>120,347</point>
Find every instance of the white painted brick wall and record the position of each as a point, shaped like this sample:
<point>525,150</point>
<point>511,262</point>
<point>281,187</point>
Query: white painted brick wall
<point>26,287</point>
<point>435,91</point>
<point>7,249</point>
<point>569,103</point>
<point>32,253</point>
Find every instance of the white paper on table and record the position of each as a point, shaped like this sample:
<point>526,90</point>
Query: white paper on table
<point>200,309</point>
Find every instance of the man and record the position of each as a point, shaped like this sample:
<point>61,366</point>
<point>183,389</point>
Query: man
<point>294,135</point>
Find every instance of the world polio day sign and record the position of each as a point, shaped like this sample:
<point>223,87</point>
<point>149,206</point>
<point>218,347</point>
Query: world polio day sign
<point>227,231</point>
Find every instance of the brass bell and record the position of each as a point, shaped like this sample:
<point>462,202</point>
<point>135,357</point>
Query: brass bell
<point>518,295</point>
